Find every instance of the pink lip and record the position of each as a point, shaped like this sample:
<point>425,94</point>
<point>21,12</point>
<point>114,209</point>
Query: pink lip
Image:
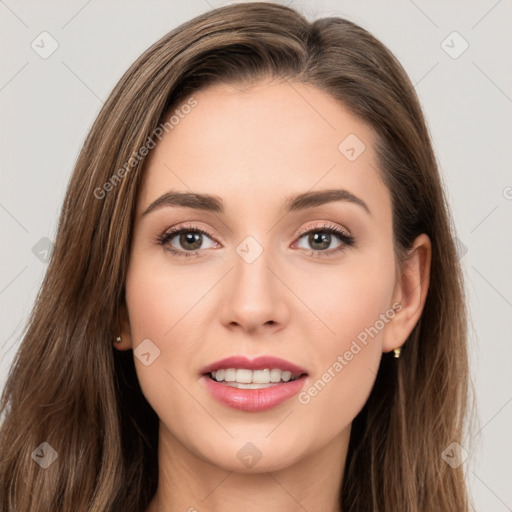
<point>253,399</point>
<point>260,363</point>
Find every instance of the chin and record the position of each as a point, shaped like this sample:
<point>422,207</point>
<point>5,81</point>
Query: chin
<point>254,451</point>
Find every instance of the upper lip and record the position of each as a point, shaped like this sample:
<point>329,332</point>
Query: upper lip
<point>260,363</point>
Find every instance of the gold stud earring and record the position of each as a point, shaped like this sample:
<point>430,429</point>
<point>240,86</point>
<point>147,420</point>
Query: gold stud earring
<point>397,352</point>
<point>118,339</point>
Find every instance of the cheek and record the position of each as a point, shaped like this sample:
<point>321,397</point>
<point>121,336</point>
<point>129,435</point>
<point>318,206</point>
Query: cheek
<point>353,303</point>
<point>157,308</point>
<point>158,299</point>
<point>350,298</point>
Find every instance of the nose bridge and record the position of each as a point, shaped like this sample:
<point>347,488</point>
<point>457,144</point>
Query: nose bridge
<point>255,295</point>
<point>251,270</point>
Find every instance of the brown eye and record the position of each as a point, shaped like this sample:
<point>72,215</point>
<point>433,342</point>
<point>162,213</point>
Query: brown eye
<point>190,240</point>
<point>320,240</point>
<point>185,241</point>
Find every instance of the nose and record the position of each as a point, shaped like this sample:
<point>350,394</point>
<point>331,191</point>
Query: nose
<point>255,298</point>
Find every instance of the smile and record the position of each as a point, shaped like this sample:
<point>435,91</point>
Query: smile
<point>242,378</point>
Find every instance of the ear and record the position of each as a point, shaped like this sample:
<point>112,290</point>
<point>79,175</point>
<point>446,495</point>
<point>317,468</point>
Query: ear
<point>410,294</point>
<point>123,329</point>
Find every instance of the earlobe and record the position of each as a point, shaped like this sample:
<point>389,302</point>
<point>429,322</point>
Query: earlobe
<point>410,293</point>
<point>123,338</point>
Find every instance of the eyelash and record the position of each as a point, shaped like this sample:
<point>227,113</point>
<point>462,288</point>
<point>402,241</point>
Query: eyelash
<point>346,239</point>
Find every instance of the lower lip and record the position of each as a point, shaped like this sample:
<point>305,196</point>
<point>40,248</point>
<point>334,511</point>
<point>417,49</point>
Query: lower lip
<point>253,399</point>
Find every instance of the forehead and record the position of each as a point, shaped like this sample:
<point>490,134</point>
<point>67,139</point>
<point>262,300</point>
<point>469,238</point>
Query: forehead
<point>268,140</point>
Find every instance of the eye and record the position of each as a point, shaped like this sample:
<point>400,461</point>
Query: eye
<point>320,238</point>
<point>189,239</point>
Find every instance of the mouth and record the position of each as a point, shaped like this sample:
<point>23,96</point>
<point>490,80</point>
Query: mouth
<point>243,378</point>
<point>253,385</point>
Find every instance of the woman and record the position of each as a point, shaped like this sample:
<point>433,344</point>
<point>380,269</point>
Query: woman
<point>254,297</point>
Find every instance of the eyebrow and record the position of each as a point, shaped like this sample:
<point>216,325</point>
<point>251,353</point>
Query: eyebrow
<point>210,203</point>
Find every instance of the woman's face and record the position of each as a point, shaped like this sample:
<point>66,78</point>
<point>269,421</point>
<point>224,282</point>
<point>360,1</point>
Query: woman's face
<point>266,279</point>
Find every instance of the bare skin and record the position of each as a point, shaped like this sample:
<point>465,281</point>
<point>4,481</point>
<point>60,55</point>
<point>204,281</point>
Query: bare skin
<point>253,148</point>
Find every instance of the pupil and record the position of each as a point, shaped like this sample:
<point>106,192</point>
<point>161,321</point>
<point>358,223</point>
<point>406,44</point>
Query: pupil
<point>323,239</point>
<point>191,238</point>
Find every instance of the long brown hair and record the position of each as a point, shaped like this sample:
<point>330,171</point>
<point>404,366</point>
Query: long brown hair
<point>70,388</point>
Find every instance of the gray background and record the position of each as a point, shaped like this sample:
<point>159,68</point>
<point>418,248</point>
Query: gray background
<point>48,105</point>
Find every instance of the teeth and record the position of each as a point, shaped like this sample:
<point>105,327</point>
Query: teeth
<point>243,376</point>
<point>220,375</point>
<point>286,376</point>
<point>275,375</point>
<point>230,375</point>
